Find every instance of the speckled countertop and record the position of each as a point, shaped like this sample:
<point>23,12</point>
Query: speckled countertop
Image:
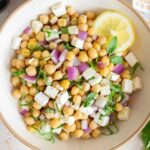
<point>7,140</point>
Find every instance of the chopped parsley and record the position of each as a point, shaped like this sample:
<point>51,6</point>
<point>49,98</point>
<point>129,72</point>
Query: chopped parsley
<point>18,72</point>
<point>116,60</point>
<point>93,64</point>
<point>68,46</point>
<point>64,30</point>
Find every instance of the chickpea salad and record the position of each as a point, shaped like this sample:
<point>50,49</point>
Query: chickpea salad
<point>71,79</point>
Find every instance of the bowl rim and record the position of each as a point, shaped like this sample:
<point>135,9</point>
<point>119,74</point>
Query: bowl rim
<point>26,143</point>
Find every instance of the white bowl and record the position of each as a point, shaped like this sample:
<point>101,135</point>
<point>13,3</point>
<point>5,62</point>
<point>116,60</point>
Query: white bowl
<point>140,104</point>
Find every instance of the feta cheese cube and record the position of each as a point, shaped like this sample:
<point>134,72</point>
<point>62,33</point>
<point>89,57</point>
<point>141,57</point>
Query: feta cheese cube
<point>101,120</point>
<point>127,86</point>
<point>124,114</point>
<point>15,44</point>
<point>51,92</point>
<point>52,36</point>
<point>78,43</point>
<point>62,98</point>
<point>57,130</point>
<point>86,110</point>
<point>105,82</point>
<point>105,90</point>
<point>46,128</point>
<point>73,30</point>
<point>137,84</point>
<point>88,73</point>
<point>36,26</point>
<point>131,59</point>
<point>75,106</point>
<point>101,101</point>
<point>101,110</point>
<point>69,120</point>
<point>41,98</point>
<point>53,20</point>
<point>114,76</point>
<point>59,9</point>
<point>97,79</point>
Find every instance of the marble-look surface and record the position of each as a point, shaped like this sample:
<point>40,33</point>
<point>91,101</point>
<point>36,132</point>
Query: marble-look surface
<point>8,141</point>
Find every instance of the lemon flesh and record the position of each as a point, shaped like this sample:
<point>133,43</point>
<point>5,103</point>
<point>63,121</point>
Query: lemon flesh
<point>110,24</point>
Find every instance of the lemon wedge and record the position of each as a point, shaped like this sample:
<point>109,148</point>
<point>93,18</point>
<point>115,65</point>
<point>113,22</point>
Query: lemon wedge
<point>114,24</point>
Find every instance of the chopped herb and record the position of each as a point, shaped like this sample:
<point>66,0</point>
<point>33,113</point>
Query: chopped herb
<point>116,60</point>
<point>49,32</point>
<point>25,104</point>
<point>49,136</point>
<point>23,81</point>
<point>68,46</point>
<point>38,47</point>
<point>89,99</point>
<point>49,110</point>
<point>56,108</point>
<point>135,67</point>
<point>91,78</point>
<point>145,135</point>
<point>92,64</point>
<point>110,97</point>
<point>112,45</point>
<point>78,83</point>
<point>64,30</point>
<point>97,58</point>
<point>18,72</point>
<point>108,110</point>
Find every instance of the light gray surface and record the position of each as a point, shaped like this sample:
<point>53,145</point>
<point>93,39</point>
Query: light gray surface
<point>7,140</point>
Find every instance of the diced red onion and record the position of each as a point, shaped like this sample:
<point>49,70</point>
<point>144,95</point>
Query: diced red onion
<point>101,64</point>
<point>124,102</point>
<point>111,118</point>
<point>27,30</point>
<point>58,41</point>
<point>88,130</point>
<point>76,62</point>
<point>55,56</point>
<point>24,112</point>
<point>82,67</point>
<point>72,73</point>
<point>119,68</point>
<point>84,124</point>
<point>31,79</point>
<point>82,35</point>
<point>63,55</point>
<point>42,43</point>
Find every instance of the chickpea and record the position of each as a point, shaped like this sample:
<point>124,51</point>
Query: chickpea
<point>74,21</point>
<point>50,69</point>
<point>46,27</point>
<point>13,70</point>
<point>104,71</point>
<point>32,91</point>
<point>52,45</point>
<point>25,52</point>
<point>83,57</point>
<point>46,54</point>
<point>58,75</point>
<point>96,46</point>
<point>31,71</point>
<point>96,133</point>
<point>83,27</point>
<point>60,47</point>
<point>91,31</point>
<point>86,86</point>
<point>41,88</point>
<point>87,45</point>
<point>78,115</point>
<point>20,64</point>
<point>95,88</point>
<point>70,10</point>
<point>126,74</point>
<point>51,104</point>
<point>55,27</point>
<point>73,37</point>
<point>25,37</point>
<point>92,53</point>
<point>54,123</point>
<point>35,113</point>
<point>62,22</point>
<point>93,125</point>
<point>33,62</point>
<point>69,128</point>
<point>111,66</point>
<point>29,121</point>
<point>77,133</point>
<point>89,39</point>
<point>40,36</point>
<point>37,54</point>
<point>75,15</point>
<point>105,60</point>
<point>68,64</point>
<point>14,62</point>
<point>15,81</point>
<point>36,106</point>
<point>23,44</point>
<point>77,99</point>
<point>82,19</point>
<point>65,84</point>
<point>63,136</point>
<point>42,62</point>
<point>65,37</point>
<point>68,111</point>
<point>81,93</point>
<point>24,89</point>
<point>86,136</point>
<point>76,51</point>
<point>44,19</point>
<point>31,129</point>
<point>16,93</point>
<point>124,114</point>
<point>74,90</point>
<point>102,52</point>
<point>90,23</point>
<point>78,124</point>
<point>70,56</point>
<point>126,65</point>
<point>90,15</point>
<point>41,82</point>
<point>118,107</point>
<point>102,40</point>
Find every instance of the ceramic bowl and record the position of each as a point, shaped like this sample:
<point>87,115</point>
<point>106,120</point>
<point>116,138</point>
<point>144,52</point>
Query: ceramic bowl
<point>140,103</point>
